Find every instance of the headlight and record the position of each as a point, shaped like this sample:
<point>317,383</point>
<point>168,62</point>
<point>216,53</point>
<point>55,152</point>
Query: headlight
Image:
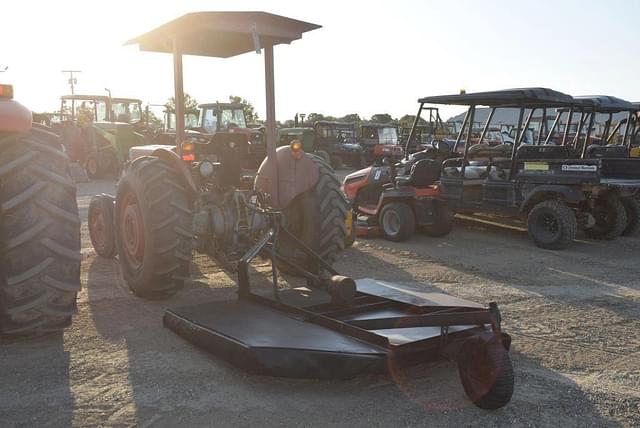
<point>206,169</point>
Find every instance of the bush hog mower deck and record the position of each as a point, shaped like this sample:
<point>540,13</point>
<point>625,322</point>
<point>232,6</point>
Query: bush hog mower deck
<point>555,190</point>
<point>295,215</point>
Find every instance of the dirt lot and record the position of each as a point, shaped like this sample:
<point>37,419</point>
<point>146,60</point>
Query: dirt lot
<point>574,317</point>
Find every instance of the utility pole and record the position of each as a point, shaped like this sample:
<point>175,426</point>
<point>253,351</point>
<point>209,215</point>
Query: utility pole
<point>72,80</point>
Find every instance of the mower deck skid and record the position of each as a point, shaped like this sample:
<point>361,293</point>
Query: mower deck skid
<point>303,335</point>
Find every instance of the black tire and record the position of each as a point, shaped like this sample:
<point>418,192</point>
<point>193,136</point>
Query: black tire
<point>443,222</point>
<point>318,218</point>
<point>153,229</point>
<point>397,221</point>
<point>101,225</point>
<point>486,374</point>
<point>611,218</point>
<point>552,225</point>
<point>632,207</point>
<point>324,156</point>
<point>336,162</point>
<point>39,235</point>
<point>93,167</point>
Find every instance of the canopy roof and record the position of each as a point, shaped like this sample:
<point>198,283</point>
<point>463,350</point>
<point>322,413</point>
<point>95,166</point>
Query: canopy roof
<point>222,34</point>
<point>605,104</point>
<point>100,98</point>
<point>522,97</point>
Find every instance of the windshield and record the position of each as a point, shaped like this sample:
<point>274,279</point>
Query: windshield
<point>126,111</point>
<point>232,117</point>
<point>85,110</point>
<point>209,121</point>
<point>387,136</point>
<point>190,121</point>
<point>327,131</point>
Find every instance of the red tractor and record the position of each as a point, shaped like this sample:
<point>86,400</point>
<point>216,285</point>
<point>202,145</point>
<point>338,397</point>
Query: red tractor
<point>395,204</point>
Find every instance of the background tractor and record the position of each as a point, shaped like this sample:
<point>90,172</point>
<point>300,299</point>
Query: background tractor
<point>39,226</point>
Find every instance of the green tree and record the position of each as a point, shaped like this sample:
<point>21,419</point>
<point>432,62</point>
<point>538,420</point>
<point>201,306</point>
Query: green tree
<point>249,111</point>
<point>353,117</point>
<point>190,105</point>
<point>382,118</point>
<point>407,120</point>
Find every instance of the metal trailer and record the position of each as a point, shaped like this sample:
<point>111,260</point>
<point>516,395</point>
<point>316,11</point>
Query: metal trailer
<point>335,327</point>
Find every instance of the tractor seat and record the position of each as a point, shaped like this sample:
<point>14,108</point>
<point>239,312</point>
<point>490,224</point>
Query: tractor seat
<point>470,172</point>
<point>423,173</point>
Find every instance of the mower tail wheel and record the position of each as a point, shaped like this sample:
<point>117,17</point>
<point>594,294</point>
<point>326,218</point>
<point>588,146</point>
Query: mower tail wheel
<point>486,374</point>
<point>39,235</point>
<point>552,225</point>
<point>318,218</point>
<point>101,225</point>
<point>632,207</point>
<point>153,228</point>
<point>397,221</point>
<point>443,221</point>
<point>611,218</point>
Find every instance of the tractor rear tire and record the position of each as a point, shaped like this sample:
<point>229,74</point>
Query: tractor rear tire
<point>153,229</point>
<point>486,374</point>
<point>443,222</point>
<point>397,221</point>
<point>317,218</point>
<point>39,235</point>
<point>632,206</point>
<point>552,225</point>
<point>101,225</point>
<point>611,218</point>
<point>324,156</point>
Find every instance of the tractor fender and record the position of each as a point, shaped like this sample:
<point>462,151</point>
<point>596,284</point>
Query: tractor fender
<point>178,164</point>
<point>295,175</point>
<point>566,193</point>
<point>14,117</point>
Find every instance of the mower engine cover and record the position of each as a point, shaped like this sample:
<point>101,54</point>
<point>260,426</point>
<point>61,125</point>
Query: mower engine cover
<point>295,175</point>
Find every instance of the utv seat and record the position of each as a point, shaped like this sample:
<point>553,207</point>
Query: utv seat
<point>611,151</point>
<point>545,151</point>
<point>423,173</point>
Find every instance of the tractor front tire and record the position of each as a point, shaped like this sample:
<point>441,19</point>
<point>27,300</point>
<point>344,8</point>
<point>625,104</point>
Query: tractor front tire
<point>153,229</point>
<point>93,167</point>
<point>486,374</point>
<point>552,225</point>
<point>101,225</point>
<point>397,221</point>
<point>632,206</point>
<point>39,235</point>
<point>611,218</point>
<point>317,218</point>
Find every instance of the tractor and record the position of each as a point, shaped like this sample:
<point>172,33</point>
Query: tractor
<point>97,131</point>
<point>294,214</point>
<point>378,141</point>
<point>39,226</point>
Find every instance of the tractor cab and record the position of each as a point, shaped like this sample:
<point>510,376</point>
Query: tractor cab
<point>380,140</point>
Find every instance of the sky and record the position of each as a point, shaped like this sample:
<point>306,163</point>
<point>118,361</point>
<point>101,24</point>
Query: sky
<point>369,56</point>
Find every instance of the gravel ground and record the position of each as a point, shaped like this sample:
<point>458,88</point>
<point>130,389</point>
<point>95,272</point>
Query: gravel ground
<point>574,317</point>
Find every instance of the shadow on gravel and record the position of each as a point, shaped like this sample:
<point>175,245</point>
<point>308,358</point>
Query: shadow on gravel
<point>34,382</point>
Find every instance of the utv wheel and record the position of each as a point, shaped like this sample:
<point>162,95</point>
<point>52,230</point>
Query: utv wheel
<point>552,225</point>
<point>486,374</point>
<point>153,224</point>
<point>443,221</point>
<point>39,235</point>
<point>397,221</point>
<point>632,207</point>
<point>101,225</point>
<point>316,217</point>
<point>611,218</point>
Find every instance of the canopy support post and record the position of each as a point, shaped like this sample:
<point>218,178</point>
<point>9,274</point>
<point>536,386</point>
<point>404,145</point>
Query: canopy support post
<point>179,94</point>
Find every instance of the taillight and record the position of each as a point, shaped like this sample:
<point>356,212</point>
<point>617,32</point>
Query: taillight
<point>6,91</point>
<point>188,151</point>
